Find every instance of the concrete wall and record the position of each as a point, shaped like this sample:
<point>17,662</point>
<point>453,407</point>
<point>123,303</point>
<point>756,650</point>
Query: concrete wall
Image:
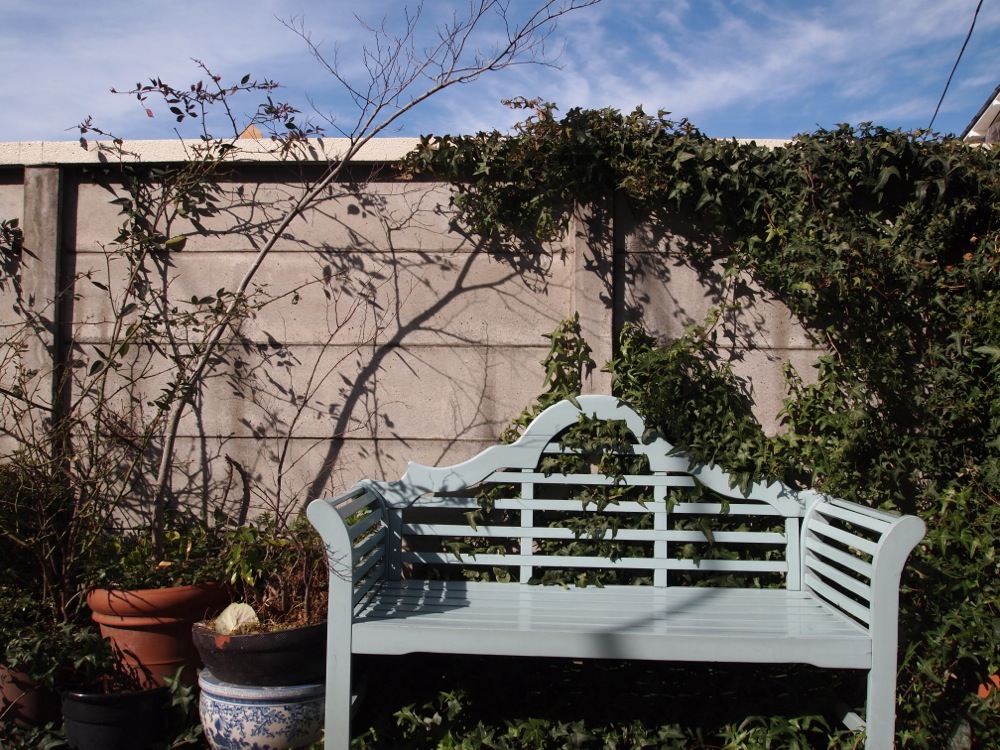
<point>408,338</point>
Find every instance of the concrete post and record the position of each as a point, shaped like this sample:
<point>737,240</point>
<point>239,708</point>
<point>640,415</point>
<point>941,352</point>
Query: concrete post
<point>42,276</point>
<point>594,289</point>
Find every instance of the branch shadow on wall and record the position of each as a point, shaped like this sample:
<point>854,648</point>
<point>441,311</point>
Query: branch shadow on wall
<point>395,294</point>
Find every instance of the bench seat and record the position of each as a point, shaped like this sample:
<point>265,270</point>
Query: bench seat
<point>620,622</point>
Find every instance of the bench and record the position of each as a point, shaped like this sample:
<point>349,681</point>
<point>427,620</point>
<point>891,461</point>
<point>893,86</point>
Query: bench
<point>446,560</point>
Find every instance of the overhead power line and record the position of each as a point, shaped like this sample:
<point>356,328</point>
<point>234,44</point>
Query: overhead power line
<point>955,66</point>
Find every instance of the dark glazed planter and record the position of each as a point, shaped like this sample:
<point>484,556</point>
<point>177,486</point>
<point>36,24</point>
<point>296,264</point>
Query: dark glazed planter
<point>115,721</point>
<point>151,628</point>
<point>296,656</point>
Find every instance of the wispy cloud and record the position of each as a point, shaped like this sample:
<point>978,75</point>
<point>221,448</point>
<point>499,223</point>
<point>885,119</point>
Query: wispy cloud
<point>733,67</point>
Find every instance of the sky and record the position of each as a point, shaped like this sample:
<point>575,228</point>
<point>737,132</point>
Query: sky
<point>734,68</point>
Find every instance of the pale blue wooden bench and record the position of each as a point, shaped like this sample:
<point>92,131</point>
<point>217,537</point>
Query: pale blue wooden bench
<point>811,579</point>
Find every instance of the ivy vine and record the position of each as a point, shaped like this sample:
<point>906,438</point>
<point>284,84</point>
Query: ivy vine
<point>884,244</point>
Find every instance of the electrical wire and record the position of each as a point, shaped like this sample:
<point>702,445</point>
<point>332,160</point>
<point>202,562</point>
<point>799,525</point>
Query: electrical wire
<point>955,66</point>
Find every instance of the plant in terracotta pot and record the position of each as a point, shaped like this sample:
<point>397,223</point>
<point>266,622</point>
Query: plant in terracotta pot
<point>27,698</point>
<point>146,603</point>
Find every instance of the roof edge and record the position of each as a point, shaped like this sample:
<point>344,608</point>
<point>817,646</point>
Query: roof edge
<point>976,130</point>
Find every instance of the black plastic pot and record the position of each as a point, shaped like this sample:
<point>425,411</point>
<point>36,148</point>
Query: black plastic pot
<point>296,656</point>
<point>115,721</point>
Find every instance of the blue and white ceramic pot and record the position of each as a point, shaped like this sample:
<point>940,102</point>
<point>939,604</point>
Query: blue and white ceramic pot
<point>252,717</point>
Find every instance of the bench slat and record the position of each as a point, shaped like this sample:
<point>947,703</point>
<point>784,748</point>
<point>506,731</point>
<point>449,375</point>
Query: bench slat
<point>592,480</point>
<point>837,598</point>
<point>701,509</point>
<point>377,573</point>
<point>624,535</point>
<point>576,561</point>
<point>845,537</point>
<point>889,518</point>
<point>366,523</point>
<point>458,502</point>
<point>369,544</point>
<point>361,570</point>
<point>851,515</point>
<point>354,501</point>
<point>822,550</point>
<point>840,578</point>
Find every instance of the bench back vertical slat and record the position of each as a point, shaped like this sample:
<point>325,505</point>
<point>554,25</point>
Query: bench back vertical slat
<point>661,525</point>
<point>527,518</point>
<point>793,554</point>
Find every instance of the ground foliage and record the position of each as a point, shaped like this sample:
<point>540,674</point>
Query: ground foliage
<point>884,245</point>
<point>442,701</point>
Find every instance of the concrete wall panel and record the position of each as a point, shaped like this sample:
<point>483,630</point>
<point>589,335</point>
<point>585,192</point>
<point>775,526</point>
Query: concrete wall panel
<point>382,217</point>
<point>407,339</point>
<point>11,200</point>
<point>412,298</point>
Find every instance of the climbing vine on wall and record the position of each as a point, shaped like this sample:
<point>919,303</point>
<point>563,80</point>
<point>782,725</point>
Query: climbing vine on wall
<point>884,244</point>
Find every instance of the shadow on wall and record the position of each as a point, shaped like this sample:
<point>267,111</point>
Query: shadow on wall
<point>382,327</point>
<point>379,330</point>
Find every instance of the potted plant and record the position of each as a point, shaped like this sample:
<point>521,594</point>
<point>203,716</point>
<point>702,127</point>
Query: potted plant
<point>36,591</point>
<point>102,705</point>
<point>265,656</point>
<point>279,570</point>
<point>27,698</point>
<point>145,603</point>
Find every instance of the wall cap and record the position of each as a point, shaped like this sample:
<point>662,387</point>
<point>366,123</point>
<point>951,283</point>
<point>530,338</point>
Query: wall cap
<point>376,151</point>
<point>39,153</point>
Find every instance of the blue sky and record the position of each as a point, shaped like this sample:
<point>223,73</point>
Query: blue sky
<point>743,68</point>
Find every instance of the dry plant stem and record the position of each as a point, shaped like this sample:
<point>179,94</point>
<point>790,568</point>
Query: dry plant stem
<point>392,68</point>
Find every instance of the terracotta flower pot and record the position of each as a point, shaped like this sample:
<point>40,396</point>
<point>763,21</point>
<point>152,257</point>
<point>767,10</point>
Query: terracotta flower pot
<point>25,703</point>
<point>150,629</point>
<point>296,656</point>
<point>988,687</point>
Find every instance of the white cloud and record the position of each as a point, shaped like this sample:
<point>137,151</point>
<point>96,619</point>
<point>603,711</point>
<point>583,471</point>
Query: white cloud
<point>723,64</point>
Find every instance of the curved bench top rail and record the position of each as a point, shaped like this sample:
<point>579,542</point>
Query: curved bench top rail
<point>524,455</point>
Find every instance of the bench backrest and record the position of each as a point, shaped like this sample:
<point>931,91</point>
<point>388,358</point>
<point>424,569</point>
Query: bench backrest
<point>553,507</point>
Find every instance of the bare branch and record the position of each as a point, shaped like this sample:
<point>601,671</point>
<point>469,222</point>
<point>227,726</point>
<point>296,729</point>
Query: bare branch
<point>399,78</point>
<point>396,75</point>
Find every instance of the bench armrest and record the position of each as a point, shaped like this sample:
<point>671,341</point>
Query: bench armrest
<point>853,557</point>
<point>353,529</point>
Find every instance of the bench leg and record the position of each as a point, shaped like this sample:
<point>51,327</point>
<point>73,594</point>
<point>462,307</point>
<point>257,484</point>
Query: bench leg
<point>880,711</point>
<point>338,700</point>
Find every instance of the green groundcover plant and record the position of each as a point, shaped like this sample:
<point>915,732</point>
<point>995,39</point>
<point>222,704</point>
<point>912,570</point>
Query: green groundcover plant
<point>884,245</point>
